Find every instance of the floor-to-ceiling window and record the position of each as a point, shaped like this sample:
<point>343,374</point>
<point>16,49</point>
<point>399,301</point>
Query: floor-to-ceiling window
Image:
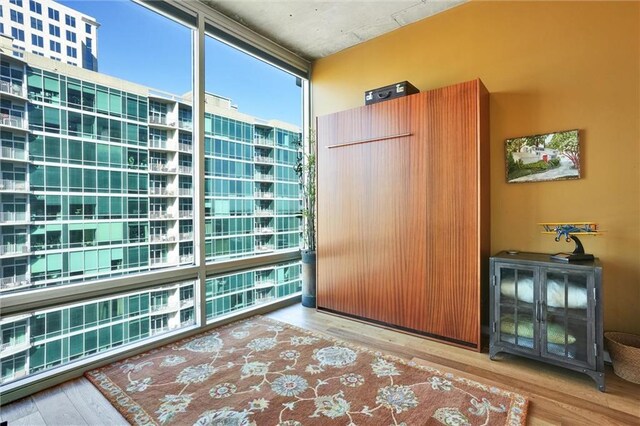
<point>146,195</point>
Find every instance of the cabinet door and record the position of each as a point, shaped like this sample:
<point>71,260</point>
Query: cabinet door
<point>567,320</point>
<point>371,203</point>
<point>515,307</point>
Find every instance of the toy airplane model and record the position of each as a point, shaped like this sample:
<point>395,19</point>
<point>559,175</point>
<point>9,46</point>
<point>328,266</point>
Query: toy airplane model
<point>568,231</point>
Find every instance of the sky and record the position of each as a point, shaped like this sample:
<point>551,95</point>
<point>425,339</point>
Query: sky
<point>143,47</point>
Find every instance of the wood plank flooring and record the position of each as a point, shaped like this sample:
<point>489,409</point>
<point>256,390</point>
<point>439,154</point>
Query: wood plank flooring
<point>557,396</point>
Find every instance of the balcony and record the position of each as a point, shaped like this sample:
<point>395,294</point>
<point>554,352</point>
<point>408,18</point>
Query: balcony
<point>161,167</point>
<point>263,176</point>
<point>17,281</point>
<point>13,185</point>
<point>161,238</point>
<point>185,191</point>
<point>185,125</point>
<point>186,258</point>
<point>185,214</point>
<point>160,214</point>
<point>264,283</point>
<point>14,120</point>
<point>261,140</point>
<point>158,119</point>
<point>11,348</point>
<point>161,190</point>
<point>188,170</point>
<point>264,297</point>
<point>263,194</point>
<point>186,236</point>
<point>158,143</point>
<point>159,308</point>
<point>9,217</point>
<point>13,154</point>
<point>264,212</point>
<point>261,248</point>
<point>158,261</point>
<point>262,159</point>
<point>158,330</point>
<point>185,147</point>
<point>20,248</point>
<point>186,302</point>
<point>12,88</point>
<point>264,230</point>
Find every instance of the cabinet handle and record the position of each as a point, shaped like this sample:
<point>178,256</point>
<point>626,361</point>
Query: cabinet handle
<point>543,308</point>
<point>538,311</point>
<point>376,139</point>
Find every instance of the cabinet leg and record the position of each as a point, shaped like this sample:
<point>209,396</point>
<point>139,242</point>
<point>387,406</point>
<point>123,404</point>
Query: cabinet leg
<point>493,352</point>
<point>598,378</point>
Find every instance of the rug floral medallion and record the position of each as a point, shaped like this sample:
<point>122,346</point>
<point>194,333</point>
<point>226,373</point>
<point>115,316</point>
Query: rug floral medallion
<point>263,372</point>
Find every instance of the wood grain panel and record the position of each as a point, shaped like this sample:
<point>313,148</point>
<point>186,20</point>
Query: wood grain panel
<point>484,221</point>
<point>363,195</point>
<point>400,220</point>
<point>450,134</point>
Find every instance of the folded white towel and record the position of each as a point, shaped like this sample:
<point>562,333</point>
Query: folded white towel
<point>577,296</point>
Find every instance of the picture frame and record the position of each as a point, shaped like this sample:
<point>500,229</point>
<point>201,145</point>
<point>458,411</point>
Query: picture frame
<point>544,157</point>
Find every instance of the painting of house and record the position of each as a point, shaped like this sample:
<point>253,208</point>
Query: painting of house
<point>550,156</point>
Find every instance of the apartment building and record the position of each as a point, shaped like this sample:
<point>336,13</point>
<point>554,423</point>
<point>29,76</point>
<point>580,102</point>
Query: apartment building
<point>52,30</point>
<point>98,182</point>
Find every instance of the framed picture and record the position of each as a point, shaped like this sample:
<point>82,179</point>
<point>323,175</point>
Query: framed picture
<point>537,158</point>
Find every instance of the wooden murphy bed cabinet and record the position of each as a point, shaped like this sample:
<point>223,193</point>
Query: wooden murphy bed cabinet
<point>403,212</point>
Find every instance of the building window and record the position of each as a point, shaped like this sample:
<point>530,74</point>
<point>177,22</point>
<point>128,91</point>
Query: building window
<point>17,17</point>
<point>102,179</point>
<point>54,30</point>
<point>54,14</point>
<point>36,24</point>
<point>17,33</point>
<point>16,2</point>
<point>35,7</point>
<point>70,20</point>
<point>54,46</point>
<point>37,40</point>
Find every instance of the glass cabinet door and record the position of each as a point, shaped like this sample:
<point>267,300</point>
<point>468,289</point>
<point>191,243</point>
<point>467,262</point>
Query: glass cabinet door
<point>566,321</point>
<point>515,311</point>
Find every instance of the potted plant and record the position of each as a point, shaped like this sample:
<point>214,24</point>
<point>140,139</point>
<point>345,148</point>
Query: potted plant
<point>305,168</point>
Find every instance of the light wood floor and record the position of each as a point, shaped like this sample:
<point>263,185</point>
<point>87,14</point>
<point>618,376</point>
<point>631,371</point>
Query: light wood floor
<point>557,396</point>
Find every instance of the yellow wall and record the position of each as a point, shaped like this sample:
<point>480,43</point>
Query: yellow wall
<point>549,66</point>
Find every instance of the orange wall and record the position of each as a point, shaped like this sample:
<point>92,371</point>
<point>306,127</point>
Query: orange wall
<point>549,66</point>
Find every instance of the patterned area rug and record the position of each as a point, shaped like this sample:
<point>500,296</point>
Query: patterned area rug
<point>264,372</point>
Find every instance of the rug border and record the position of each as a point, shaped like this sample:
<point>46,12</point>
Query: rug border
<point>97,377</point>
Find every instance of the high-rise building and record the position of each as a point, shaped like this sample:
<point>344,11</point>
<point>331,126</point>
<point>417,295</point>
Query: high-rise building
<point>98,182</point>
<point>52,30</point>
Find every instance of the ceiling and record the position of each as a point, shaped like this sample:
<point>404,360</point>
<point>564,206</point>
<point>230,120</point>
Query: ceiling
<point>314,28</point>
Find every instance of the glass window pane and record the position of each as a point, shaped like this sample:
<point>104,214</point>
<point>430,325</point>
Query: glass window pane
<point>45,342</point>
<point>107,178</point>
<point>84,125</point>
<point>242,157</point>
<point>240,291</point>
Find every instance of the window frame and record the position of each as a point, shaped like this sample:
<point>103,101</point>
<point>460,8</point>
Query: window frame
<point>203,21</point>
